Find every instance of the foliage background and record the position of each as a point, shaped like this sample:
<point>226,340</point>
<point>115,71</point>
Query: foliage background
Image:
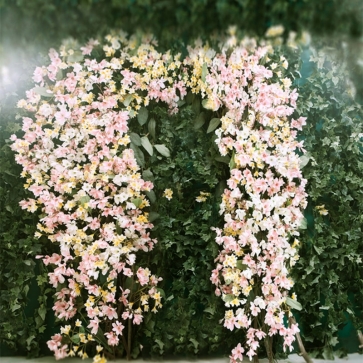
<point>329,274</point>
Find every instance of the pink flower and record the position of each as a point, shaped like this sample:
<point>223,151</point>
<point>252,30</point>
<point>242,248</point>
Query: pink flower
<point>55,342</point>
<point>237,352</point>
<point>117,327</point>
<point>112,339</point>
<point>94,325</point>
<point>137,319</point>
<point>109,312</point>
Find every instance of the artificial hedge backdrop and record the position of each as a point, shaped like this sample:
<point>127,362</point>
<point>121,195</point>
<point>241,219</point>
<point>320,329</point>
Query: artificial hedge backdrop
<point>329,273</point>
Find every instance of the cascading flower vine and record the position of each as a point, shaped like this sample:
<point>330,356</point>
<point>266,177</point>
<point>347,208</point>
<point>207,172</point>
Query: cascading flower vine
<point>263,203</point>
<point>77,159</point>
<point>80,164</point>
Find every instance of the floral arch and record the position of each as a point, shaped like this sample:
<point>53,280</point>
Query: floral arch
<point>87,150</point>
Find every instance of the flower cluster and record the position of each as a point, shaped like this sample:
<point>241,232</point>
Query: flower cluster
<point>79,164</point>
<point>77,161</point>
<point>263,203</point>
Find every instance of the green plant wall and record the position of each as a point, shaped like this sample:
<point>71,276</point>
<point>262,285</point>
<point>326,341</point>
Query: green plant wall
<point>329,274</point>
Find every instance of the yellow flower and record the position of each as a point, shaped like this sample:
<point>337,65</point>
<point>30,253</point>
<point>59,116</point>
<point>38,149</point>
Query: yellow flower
<point>65,330</point>
<point>168,194</point>
<point>99,359</point>
<point>202,197</point>
<point>274,31</point>
<point>321,209</point>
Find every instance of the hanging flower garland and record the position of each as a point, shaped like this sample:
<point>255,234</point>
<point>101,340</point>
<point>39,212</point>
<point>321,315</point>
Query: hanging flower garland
<point>80,166</point>
<point>263,204</point>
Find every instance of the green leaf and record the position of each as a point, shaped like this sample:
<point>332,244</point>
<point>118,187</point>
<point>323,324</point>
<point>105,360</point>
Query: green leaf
<point>127,100</point>
<point>209,310</point>
<point>15,307</point>
<point>75,57</point>
<point>194,342</point>
<point>45,92</point>
<point>241,266</point>
<point>199,121</point>
<point>142,115</point>
<point>147,146</point>
<point>83,200</point>
<point>42,311</point>
<point>151,127</point>
<point>171,297</point>
<point>136,201</point>
<point>163,150</point>
<point>161,291</point>
<point>159,343</point>
<point>328,353</point>
<point>153,216</point>
<point>232,163</point>
<point>151,195</point>
<point>223,159</point>
<point>204,71</point>
<point>304,160</point>
<point>148,175</point>
<point>30,339</point>
<point>228,297</point>
<point>135,139</point>
<point>196,105</point>
<point>75,339</point>
<point>293,304</point>
<point>213,124</point>
<point>324,307</point>
<point>304,224</point>
<point>139,156</point>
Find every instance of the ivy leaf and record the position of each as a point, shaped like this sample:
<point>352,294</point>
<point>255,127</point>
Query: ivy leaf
<point>194,342</point>
<point>159,343</point>
<point>142,115</point>
<point>147,146</point>
<point>135,139</point>
<point>213,124</point>
<point>42,311</point>
<point>15,307</point>
<point>293,304</point>
<point>163,150</point>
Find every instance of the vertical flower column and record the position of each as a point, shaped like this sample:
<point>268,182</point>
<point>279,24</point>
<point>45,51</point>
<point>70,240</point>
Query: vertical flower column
<point>76,157</point>
<point>263,203</point>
